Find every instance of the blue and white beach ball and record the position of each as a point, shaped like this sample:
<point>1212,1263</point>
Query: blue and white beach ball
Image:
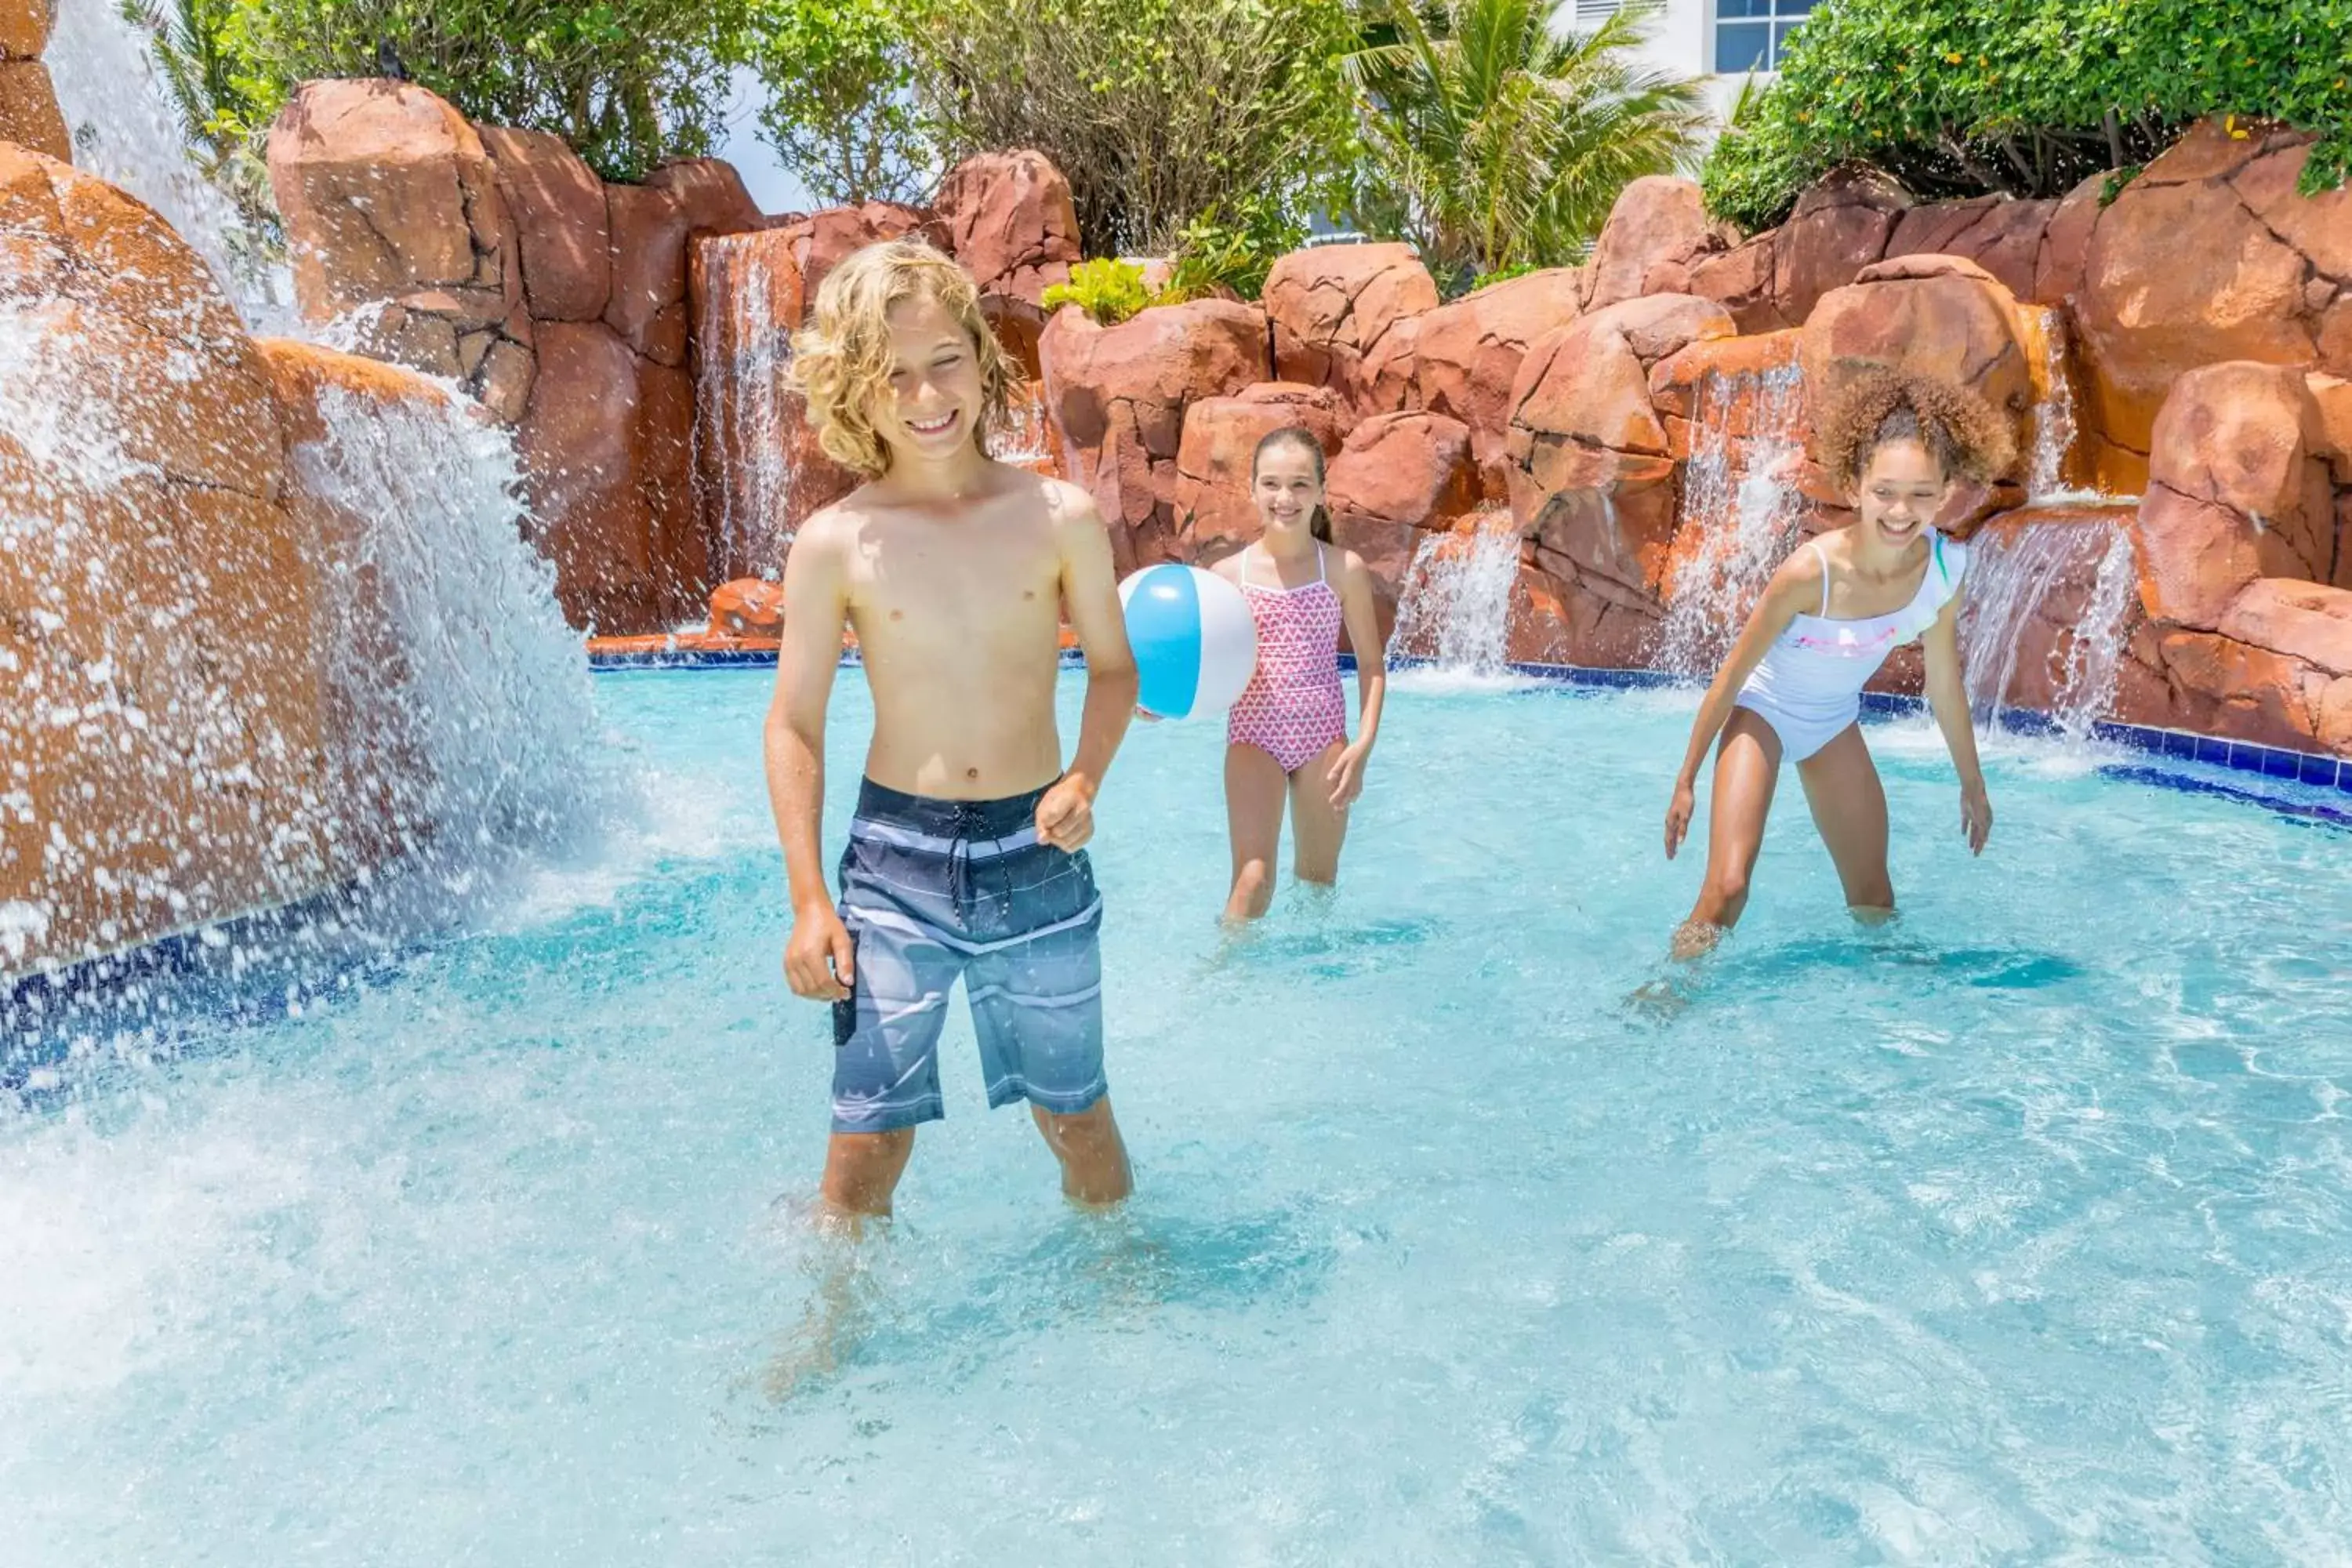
<point>1194,642</point>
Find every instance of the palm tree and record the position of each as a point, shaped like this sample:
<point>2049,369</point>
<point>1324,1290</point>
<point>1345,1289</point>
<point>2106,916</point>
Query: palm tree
<point>1494,142</point>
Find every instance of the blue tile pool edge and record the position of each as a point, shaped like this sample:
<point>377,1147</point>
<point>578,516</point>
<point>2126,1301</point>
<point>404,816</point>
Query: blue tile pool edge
<point>2312,768</point>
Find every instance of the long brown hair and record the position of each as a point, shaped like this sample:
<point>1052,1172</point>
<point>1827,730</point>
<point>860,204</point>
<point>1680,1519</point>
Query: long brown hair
<point>1301,436</point>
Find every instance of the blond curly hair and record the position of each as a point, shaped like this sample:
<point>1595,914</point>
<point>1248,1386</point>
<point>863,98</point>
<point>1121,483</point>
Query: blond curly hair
<point>842,359</point>
<point>1960,430</point>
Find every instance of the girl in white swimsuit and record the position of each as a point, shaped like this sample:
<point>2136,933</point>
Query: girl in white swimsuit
<point>1832,613</point>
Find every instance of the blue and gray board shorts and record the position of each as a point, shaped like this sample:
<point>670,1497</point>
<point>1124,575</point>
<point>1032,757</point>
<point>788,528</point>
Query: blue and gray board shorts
<point>934,890</point>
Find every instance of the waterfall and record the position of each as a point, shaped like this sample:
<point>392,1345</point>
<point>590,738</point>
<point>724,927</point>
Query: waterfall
<point>1454,609</point>
<point>2054,426</point>
<point>1740,512</point>
<point>2046,618</point>
<point>744,418</point>
<point>128,132</point>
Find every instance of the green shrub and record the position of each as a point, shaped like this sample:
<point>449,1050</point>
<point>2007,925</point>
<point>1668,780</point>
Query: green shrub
<point>2028,96</point>
<point>1156,111</point>
<point>841,112</point>
<point>628,83</point>
<point>1213,254</point>
<point>1108,291</point>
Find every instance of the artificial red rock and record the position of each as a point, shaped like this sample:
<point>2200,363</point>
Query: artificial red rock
<point>1331,305</point>
<point>1460,360</point>
<point>710,194</point>
<point>25,27</point>
<point>1658,224</point>
<point>2002,235</point>
<point>1011,223</point>
<point>748,606</point>
<point>647,254</point>
<point>1841,224</point>
<point>557,206</point>
<point>30,115</point>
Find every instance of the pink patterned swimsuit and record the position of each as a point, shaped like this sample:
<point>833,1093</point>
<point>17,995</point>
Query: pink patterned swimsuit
<point>1293,706</point>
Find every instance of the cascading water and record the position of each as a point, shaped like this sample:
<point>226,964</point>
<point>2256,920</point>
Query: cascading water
<point>744,415</point>
<point>2045,621</point>
<point>2054,427</point>
<point>1739,511</point>
<point>128,132</point>
<point>1455,611</point>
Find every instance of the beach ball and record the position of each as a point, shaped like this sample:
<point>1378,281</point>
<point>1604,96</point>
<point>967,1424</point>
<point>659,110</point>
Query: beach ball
<point>1194,642</point>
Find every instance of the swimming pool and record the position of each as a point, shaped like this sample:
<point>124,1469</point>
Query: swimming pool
<point>2021,1232</point>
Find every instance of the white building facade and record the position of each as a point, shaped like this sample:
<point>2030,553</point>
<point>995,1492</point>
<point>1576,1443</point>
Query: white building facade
<point>1721,41</point>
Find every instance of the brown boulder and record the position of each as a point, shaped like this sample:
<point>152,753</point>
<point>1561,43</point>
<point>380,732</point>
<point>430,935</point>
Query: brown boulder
<point>2058,267</point>
<point>1658,225</point>
<point>748,606</point>
<point>1413,467</point>
<point>1331,305</point>
<point>1932,314</point>
<point>709,196</point>
<point>30,115</point>
<point>578,444</point>
<point>157,599</point>
<point>1460,360</point>
<point>25,27</point>
<point>662,460</point>
<point>1214,504</point>
<point>2001,234</point>
<point>2305,621</point>
<point>2202,259</point>
<point>2233,492</point>
<point>1593,482</point>
<point>2224,687</point>
<point>1741,281</point>
<point>385,191</point>
<point>558,207</point>
<point>647,252</point>
<point>1840,225</point>
<point>1157,363</point>
<point>1011,223</point>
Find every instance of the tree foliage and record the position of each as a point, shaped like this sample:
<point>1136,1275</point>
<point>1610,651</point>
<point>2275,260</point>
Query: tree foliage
<point>2030,97</point>
<point>1495,140</point>
<point>1156,111</point>
<point>842,110</point>
<point>628,83</point>
<point>224,123</point>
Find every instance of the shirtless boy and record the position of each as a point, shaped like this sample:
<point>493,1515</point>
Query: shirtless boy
<point>966,855</point>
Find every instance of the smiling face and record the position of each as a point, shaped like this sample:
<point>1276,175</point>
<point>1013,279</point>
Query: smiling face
<point>1287,486</point>
<point>932,405</point>
<point>1903,488</point>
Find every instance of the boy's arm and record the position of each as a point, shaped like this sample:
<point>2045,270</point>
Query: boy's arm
<point>1090,589</point>
<point>818,958</point>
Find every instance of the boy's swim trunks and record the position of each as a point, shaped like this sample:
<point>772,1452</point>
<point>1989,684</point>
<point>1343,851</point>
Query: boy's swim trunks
<point>931,890</point>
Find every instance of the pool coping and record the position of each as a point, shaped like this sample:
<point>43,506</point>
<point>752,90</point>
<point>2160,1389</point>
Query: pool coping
<point>2282,764</point>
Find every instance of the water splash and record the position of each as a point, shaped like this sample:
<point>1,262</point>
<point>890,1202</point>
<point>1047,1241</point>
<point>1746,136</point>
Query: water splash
<point>2046,620</point>
<point>1740,514</point>
<point>459,698</point>
<point>1456,607</point>
<point>1025,441</point>
<point>128,132</point>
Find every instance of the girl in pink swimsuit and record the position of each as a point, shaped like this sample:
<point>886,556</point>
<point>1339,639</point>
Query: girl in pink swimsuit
<point>1792,685</point>
<point>1287,737</point>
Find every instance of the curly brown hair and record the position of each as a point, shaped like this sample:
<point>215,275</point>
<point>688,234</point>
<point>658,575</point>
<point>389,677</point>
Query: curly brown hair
<point>1960,430</point>
<point>840,360</point>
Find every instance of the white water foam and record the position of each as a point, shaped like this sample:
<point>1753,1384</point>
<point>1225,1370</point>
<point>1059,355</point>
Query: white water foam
<point>1455,608</point>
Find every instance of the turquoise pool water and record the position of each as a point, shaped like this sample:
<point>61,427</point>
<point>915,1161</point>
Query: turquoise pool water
<point>2020,1234</point>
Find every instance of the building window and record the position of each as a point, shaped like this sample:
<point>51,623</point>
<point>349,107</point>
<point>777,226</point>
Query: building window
<point>1751,35</point>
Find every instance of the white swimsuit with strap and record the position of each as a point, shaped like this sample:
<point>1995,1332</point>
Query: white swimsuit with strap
<point>1808,686</point>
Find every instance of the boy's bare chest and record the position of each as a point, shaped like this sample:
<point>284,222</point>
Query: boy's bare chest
<point>927,583</point>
